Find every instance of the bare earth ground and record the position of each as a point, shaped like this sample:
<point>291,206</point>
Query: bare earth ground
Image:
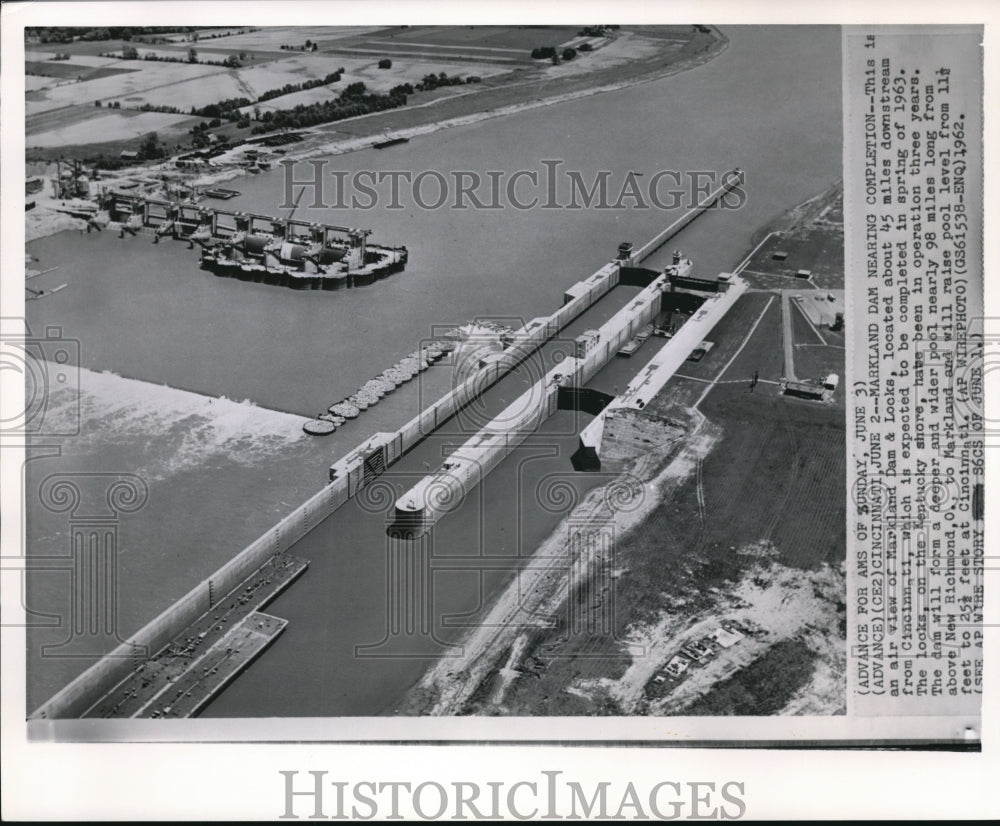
<point>740,522</point>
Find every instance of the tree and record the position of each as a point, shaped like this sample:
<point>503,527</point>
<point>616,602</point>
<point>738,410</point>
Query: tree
<point>568,53</point>
<point>232,62</point>
<point>192,55</point>
<point>151,147</point>
<point>130,53</point>
<point>385,63</point>
<point>309,44</point>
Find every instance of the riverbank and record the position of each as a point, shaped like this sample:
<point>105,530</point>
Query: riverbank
<point>543,89</point>
<point>493,98</point>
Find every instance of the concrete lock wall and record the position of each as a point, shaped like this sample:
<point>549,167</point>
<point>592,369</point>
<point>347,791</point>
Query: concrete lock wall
<point>476,457</point>
<point>85,690</point>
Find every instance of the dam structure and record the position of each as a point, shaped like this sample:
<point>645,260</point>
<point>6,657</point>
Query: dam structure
<point>261,248</point>
<point>352,473</point>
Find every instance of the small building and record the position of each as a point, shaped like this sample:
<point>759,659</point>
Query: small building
<point>677,665</point>
<point>726,638</point>
<point>831,381</point>
<point>585,342</point>
<point>807,389</point>
<point>129,155</point>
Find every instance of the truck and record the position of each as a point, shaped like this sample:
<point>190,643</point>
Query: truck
<point>699,352</point>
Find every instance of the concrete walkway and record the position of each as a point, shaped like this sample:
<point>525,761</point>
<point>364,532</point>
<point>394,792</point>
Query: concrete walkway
<point>786,335</point>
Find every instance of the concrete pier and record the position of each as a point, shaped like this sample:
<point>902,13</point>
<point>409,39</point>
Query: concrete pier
<point>198,663</point>
<point>730,180</point>
<point>183,219</point>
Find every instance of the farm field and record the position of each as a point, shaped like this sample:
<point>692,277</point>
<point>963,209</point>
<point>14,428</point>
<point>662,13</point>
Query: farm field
<point>183,85</point>
<point>275,57</point>
<point>380,80</point>
<point>273,38</point>
<point>101,127</point>
<point>46,58</point>
<point>65,70</point>
<point>33,83</point>
<point>152,84</point>
<point>508,38</point>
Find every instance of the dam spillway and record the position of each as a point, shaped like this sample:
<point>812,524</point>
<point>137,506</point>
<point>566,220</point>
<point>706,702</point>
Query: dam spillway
<point>263,249</point>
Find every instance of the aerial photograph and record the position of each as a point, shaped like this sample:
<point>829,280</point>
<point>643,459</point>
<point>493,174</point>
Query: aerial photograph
<point>434,371</point>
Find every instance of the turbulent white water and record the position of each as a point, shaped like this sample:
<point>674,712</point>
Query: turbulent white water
<point>170,430</point>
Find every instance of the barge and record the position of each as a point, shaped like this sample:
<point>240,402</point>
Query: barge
<point>390,142</point>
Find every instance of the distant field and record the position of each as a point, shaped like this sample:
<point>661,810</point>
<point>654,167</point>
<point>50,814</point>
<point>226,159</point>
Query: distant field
<point>217,83</point>
<point>78,59</point>
<point>63,69</point>
<point>205,34</point>
<point>33,83</point>
<point>274,38</point>
<point>181,53</point>
<point>379,80</point>
<point>57,108</point>
<point>109,126</point>
<point>130,87</point>
<point>519,38</point>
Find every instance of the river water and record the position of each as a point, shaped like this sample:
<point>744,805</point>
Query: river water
<point>770,104</point>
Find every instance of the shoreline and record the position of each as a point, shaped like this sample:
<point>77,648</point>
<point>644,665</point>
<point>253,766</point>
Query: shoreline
<point>319,143</point>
